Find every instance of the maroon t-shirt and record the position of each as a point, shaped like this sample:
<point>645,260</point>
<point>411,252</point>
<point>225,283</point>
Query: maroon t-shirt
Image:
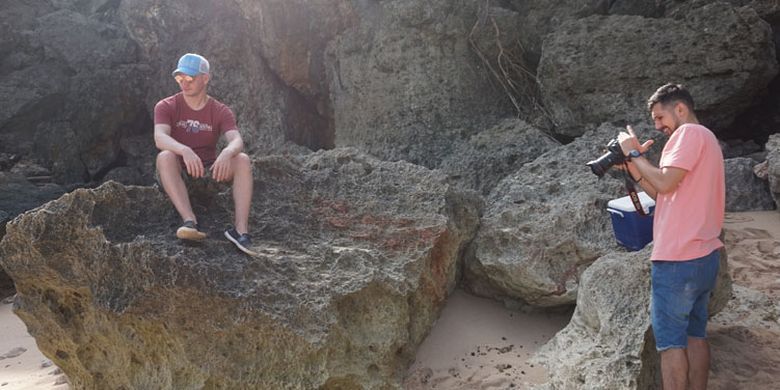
<point>200,130</point>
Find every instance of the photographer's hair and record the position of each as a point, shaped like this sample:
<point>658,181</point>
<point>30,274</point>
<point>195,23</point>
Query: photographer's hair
<point>671,93</point>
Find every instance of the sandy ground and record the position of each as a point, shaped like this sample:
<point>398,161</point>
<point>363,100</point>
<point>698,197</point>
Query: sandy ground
<point>22,365</point>
<point>745,337</point>
<point>479,344</point>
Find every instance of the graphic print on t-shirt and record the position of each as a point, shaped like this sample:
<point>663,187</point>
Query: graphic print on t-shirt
<point>193,126</point>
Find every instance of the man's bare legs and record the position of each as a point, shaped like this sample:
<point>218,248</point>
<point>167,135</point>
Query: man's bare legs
<point>698,363</point>
<point>242,190</point>
<point>169,170</point>
<point>674,369</point>
<point>681,367</point>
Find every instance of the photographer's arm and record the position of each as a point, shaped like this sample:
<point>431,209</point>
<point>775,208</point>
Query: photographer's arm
<point>662,180</point>
<point>639,178</point>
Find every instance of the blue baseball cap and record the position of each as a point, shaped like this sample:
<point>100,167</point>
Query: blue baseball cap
<point>192,65</point>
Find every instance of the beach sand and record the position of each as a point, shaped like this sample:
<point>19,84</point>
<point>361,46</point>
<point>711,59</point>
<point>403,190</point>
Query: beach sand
<point>22,365</point>
<point>745,337</point>
<point>477,343</point>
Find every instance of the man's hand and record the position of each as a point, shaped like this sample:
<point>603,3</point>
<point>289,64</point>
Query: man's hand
<point>222,170</point>
<point>193,163</point>
<point>628,142</point>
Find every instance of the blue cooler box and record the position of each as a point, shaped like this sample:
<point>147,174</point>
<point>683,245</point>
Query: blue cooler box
<point>632,230</point>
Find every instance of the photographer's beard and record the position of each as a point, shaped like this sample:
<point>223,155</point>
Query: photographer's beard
<point>666,119</point>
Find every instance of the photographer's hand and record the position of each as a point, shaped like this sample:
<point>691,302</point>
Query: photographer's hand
<point>628,142</point>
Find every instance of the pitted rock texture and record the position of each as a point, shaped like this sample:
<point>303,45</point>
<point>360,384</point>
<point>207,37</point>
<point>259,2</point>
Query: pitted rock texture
<point>541,17</point>
<point>773,166</point>
<point>356,259</point>
<point>405,84</point>
<point>745,191</point>
<point>72,86</point>
<point>603,68</point>
<point>544,224</point>
<point>488,157</point>
<point>609,343</point>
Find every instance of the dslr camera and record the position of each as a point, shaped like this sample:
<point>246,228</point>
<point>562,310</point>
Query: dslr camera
<point>613,156</point>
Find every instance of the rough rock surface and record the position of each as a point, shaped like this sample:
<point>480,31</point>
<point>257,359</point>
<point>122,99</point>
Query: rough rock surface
<point>404,83</point>
<point>489,156</point>
<point>603,68</point>
<point>541,17</point>
<point>544,225</point>
<point>356,259</point>
<point>745,191</point>
<point>773,166</point>
<point>610,329</point>
<point>17,195</point>
<point>71,83</point>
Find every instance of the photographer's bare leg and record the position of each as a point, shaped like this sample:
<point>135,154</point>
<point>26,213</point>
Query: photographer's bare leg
<point>242,190</point>
<point>674,369</point>
<point>698,363</point>
<point>169,169</point>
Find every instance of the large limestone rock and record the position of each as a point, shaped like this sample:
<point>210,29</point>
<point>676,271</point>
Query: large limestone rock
<point>541,17</point>
<point>608,343</point>
<point>405,83</point>
<point>773,166</point>
<point>545,224</point>
<point>292,36</point>
<point>603,68</point>
<point>72,85</point>
<point>745,191</point>
<point>489,156</point>
<point>17,195</point>
<point>356,259</point>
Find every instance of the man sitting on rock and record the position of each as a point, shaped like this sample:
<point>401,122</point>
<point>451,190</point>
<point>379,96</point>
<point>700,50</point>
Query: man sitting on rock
<point>187,127</point>
<point>690,192</point>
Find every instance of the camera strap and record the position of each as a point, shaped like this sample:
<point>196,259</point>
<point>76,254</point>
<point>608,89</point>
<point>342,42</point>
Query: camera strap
<point>632,192</point>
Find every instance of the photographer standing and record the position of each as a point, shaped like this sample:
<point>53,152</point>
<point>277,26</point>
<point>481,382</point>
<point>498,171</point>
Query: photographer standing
<point>689,189</point>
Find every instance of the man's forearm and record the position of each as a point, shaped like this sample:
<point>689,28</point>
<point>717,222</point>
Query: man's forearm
<point>234,147</point>
<point>166,142</point>
<point>639,178</point>
<point>663,180</point>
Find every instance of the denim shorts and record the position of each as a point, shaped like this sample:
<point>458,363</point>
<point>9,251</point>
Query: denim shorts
<point>681,292</point>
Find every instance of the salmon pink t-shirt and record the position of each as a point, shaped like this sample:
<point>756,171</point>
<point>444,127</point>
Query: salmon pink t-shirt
<point>688,221</point>
<point>200,130</point>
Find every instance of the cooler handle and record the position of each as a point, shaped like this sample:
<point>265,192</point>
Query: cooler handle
<point>616,212</point>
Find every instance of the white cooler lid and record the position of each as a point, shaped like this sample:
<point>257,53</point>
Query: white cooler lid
<point>625,204</point>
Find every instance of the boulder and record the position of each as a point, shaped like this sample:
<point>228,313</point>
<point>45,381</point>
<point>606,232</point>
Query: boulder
<point>541,17</point>
<point>489,156</point>
<point>767,10</point>
<point>739,148</point>
<point>609,343</point>
<point>604,68</point>
<point>745,191</point>
<point>405,84</point>
<point>73,84</point>
<point>17,195</point>
<point>773,166</point>
<point>293,37</point>
<point>546,223</point>
<point>356,258</point>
